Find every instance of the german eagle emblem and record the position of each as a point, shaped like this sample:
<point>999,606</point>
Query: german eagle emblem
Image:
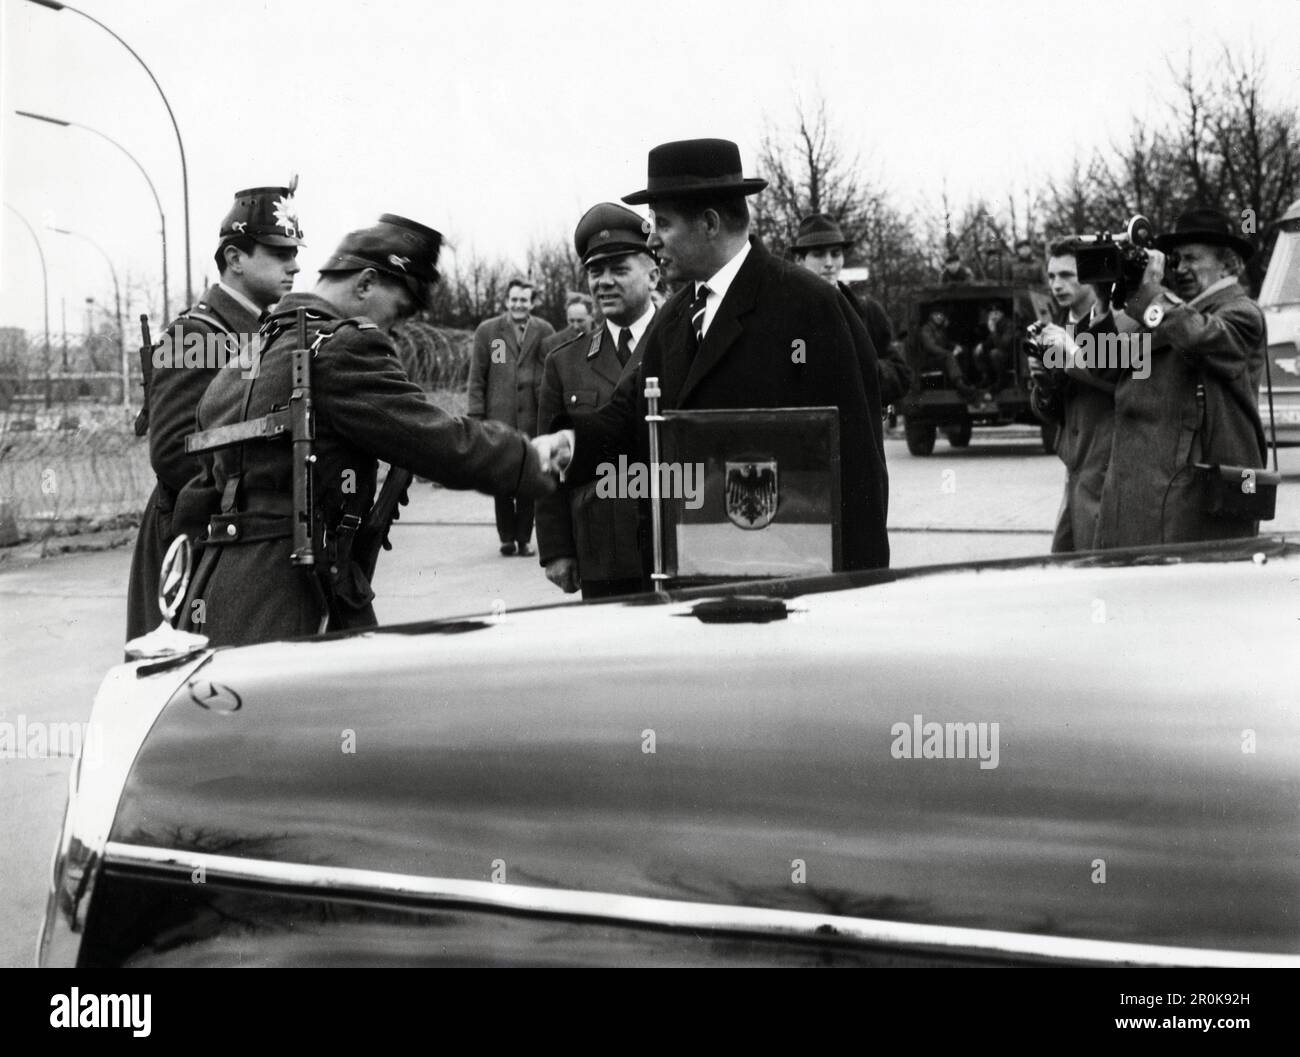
<point>752,495</point>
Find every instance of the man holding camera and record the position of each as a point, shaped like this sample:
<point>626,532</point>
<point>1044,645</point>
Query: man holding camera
<point>1199,403</point>
<point>1080,401</point>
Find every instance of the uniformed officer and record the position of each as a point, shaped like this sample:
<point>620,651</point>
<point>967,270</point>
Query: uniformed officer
<point>587,541</point>
<point>256,261</point>
<point>366,409</point>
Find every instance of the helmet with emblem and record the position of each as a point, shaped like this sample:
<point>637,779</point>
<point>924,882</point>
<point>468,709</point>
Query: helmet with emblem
<point>264,214</point>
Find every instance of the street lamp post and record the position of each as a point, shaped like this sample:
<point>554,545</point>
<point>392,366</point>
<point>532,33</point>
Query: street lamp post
<point>117,301</point>
<point>162,218</point>
<point>45,293</point>
<point>53,5</point>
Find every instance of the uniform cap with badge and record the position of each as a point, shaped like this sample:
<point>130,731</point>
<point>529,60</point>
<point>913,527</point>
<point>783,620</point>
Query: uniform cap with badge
<point>610,230</point>
<point>400,248</point>
<point>264,214</point>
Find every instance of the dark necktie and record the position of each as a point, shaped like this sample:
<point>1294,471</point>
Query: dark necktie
<point>697,315</point>
<point>624,346</point>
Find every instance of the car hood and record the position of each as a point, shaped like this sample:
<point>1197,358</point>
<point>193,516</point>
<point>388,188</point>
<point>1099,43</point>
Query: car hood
<point>1144,787</point>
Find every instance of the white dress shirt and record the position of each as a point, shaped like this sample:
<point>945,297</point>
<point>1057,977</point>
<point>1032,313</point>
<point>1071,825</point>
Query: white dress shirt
<point>637,327</point>
<point>719,283</point>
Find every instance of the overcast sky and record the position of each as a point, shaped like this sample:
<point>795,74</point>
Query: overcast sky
<point>498,122</point>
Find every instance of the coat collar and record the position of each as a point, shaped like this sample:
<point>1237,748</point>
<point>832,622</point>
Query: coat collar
<point>602,351</point>
<point>1226,289</point>
<point>233,313</point>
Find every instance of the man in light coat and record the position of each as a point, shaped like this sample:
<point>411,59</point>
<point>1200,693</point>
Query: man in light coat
<point>1199,404</point>
<point>505,377</point>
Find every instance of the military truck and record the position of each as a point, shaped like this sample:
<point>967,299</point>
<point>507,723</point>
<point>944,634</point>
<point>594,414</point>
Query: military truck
<point>939,402</point>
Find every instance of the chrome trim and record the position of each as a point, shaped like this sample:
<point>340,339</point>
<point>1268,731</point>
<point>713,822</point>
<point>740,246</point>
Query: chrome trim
<point>671,913</point>
<point>126,706</point>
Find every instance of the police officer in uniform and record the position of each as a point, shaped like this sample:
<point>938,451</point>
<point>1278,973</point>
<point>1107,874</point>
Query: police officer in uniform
<point>365,409</point>
<point>256,262</point>
<point>588,541</point>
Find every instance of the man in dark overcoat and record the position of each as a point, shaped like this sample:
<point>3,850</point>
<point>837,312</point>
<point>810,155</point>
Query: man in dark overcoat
<point>745,330</point>
<point>820,247</point>
<point>256,261</point>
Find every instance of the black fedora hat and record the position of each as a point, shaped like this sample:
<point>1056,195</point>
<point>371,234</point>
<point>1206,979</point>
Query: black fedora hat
<point>819,229</point>
<point>1208,225</point>
<point>688,167</point>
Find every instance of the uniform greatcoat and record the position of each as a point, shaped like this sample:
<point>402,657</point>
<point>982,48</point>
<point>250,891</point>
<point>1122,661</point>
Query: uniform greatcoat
<point>601,533</point>
<point>366,409</point>
<point>173,398</point>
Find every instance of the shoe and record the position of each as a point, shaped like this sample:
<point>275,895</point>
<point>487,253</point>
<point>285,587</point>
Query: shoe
<point>525,551</point>
<point>507,549</point>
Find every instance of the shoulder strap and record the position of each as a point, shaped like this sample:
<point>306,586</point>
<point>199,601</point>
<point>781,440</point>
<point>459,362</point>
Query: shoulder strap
<point>196,312</point>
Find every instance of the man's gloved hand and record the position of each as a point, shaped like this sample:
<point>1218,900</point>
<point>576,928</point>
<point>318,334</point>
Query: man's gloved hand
<point>563,573</point>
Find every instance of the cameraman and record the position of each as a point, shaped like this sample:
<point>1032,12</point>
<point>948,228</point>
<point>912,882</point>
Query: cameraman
<point>1079,401</point>
<point>1199,402</point>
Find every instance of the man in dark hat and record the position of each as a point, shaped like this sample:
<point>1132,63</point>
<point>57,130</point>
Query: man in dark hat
<point>256,261</point>
<point>365,409</point>
<point>505,374</point>
<point>745,330</point>
<point>1199,403</point>
<point>586,540</point>
<point>820,247</point>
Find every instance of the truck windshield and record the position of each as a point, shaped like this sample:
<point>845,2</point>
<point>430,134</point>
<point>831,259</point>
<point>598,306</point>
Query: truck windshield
<point>1282,281</point>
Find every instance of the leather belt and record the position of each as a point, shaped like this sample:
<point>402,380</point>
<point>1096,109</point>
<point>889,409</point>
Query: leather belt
<point>264,515</point>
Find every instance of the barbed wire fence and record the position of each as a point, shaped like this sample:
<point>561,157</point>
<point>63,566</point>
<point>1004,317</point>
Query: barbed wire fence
<point>70,462</point>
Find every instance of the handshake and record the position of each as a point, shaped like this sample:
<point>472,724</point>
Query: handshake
<point>554,451</point>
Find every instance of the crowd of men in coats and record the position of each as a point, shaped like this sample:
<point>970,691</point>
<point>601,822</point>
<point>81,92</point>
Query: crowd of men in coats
<point>687,296</point>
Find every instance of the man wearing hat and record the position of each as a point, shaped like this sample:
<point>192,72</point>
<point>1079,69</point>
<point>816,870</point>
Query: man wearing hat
<point>586,541</point>
<point>256,261</point>
<point>745,330</point>
<point>1199,403</point>
<point>365,409</point>
<point>505,373</point>
<point>820,247</point>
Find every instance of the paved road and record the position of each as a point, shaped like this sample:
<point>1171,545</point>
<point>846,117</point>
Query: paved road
<point>61,619</point>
